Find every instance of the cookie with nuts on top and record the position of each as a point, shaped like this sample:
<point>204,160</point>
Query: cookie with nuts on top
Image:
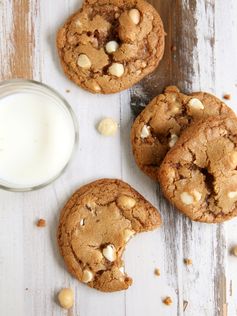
<point>95,225</point>
<point>109,45</point>
<point>159,125</point>
<point>198,175</point>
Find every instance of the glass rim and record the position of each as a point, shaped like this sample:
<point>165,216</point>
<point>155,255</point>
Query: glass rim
<point>34,83</point>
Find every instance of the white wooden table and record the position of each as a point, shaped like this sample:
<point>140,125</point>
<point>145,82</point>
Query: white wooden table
<point>31,270</point>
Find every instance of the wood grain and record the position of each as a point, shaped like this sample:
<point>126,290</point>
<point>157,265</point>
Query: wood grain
<point>18,39</point>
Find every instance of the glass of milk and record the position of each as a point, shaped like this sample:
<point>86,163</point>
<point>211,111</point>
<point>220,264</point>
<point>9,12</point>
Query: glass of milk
<point>38,135</point>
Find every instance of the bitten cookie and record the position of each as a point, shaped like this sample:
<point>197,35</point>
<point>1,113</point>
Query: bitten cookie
<point>199,174</point>
<point>109,45</point>
<point>95,225</point>
<point>158,126</point>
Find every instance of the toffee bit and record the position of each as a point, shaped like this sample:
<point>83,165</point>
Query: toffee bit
<point>41,223</point>
<point>227,96</point>
<point>188,262</point>
<point>167,301</point>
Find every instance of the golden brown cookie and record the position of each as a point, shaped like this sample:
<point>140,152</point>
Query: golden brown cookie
<point>199,175</point>
<point>95,225</point>
<point>109,45</point>
<point>159,125</point>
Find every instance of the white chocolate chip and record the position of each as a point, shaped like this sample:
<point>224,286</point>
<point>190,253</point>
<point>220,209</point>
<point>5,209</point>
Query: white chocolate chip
<point>173,140</point>
<point>82,222</point>
<point>197,195</point>
<point>175,110</point>
<point>135,16</point>
<point>232,195</point>
<point>128,233</point>
<point>195,104</point>
<point>87,276</point>
<point>109,253</point>
<point>107,127</point>
<point>78,23</point>
<point>186,198</point>
<point>111,47</point>
<point>84,61</point>
<point>96,87</point>
<point>91,205</point>
<point>126,201</point>
<point>234,158</point>
<point>116,15</point>
<point>171,173</point>
<point>145,131</point>
<point>122,270</point>
<point>116,70</point>
<point>66,298</point>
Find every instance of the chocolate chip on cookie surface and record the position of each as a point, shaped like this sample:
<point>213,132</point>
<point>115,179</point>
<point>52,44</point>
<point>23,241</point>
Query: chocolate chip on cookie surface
<point>199,174</point>
<point>109,45</point>
<point>158,127</point>
<point>95,226</point>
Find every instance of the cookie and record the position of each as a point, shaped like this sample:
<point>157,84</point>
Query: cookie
<point>109,45</point>
<point>95,225</point>
<point>159,125</point>
<point>199,174</point>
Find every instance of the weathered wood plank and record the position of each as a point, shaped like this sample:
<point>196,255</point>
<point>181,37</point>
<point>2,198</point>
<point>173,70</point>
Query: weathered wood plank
<point>190,27</point>
<point>17,56</point>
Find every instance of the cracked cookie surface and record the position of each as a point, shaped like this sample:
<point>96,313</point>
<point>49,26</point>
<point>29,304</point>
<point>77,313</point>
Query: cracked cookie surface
<point>95,225</point>
<point>109,45</point>
<point>199,175</point>
<point>158,127</point>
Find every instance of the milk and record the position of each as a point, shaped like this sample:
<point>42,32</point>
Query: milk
<point>37,137</point>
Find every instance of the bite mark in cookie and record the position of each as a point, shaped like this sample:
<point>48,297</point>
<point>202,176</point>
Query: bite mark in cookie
<point>112,213</point>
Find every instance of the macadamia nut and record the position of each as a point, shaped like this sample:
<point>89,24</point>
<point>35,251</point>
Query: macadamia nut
<point>107,127</point>
<point>66,298</point>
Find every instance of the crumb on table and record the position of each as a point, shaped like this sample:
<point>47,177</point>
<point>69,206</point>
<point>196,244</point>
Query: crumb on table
<point>41,223</point>
<point>227,96</point>
<point>188,261</point>
<point>157,272</point>
<point>68,91</point>
<point>167,300</point>
<point>173,48</point>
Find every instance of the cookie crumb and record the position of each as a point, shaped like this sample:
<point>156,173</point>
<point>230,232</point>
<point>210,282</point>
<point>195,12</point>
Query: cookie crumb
<point>157,272</point>
<point>234,251</point>
<point>41,223</point>
<point>167,301</point>
<point>188,261</point>
<point>68,91</point>
<point>227,96</point>
<point>185,305</point>
<point>173,48</point>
